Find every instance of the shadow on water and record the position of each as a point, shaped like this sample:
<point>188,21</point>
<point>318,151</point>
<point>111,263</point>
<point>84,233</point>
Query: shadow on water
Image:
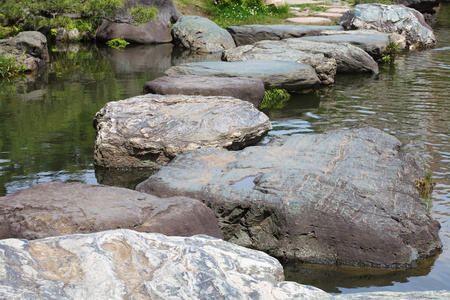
<point>333,279</point>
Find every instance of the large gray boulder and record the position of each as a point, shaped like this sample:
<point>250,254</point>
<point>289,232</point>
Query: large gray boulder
<point>150,130</point>
<point>244,88</point>
<point>250,34</point>
<point>346,197</point>
<point>349,58</point>
<point>156,31</point>
<point>325,67</point>
<point>291,76</point>
<point>52,209</point>
<point>124,264</point>
<point>373,42</point>
<point>28,48</point>
<point>391,19</point>
<point>201,35</point>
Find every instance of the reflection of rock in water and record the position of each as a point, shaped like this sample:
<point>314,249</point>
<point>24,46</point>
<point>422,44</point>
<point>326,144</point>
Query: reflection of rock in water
<point>181,56</point>
<point>330,279</point>
<point>122,178</point>
<point>152,60</point>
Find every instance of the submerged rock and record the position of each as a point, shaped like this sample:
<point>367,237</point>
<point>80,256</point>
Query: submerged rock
<point>201,35</point>
<point>28,48</point>
<point>244,88</point>
<point>124,264</point>
<point>391,19</point>
<point>150,130</point>
<point>52,209</point>
<point>250,34</point>
<point>343,198</point>
<point>287,75</point>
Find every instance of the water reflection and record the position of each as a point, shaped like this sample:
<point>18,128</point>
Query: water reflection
<point>335,279</point>
<point>46,131</point>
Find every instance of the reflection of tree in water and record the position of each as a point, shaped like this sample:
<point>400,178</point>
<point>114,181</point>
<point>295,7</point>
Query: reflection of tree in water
<point>331,279</point>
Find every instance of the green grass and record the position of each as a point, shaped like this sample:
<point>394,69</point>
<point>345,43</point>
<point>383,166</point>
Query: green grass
<point>9,67</point>
<point>240,14</point>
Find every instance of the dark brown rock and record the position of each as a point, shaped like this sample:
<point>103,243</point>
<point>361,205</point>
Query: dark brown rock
<point>244,88</point>
<point>53,209</point>
<point>155,31</point>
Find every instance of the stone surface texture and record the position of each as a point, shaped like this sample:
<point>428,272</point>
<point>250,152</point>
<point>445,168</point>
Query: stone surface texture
<point>244,88</point>
<point>52,209</point>
<point>153,32</point>
<point>124,264</point>
<point>250,34</point>
<point>373,42</point>
<point>346,197</point>
<point>287,75</point>
<point>28,48</point>
<point>325,67</point>
<point>201,35</point>
<point>150,130</point>
<point>349,58</point>
<point>391,19</point>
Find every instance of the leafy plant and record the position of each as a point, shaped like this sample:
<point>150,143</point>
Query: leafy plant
<point>275,98</point>
<point>392,51</point>
<point>142,15</point>
<point>9,67</point>
<point>119,43</point>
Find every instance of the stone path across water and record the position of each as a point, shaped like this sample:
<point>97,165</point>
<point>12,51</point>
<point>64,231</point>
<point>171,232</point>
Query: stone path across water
<point>306,15</point>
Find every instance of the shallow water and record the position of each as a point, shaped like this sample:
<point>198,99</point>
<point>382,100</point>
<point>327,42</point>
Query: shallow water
<point>46,131</point>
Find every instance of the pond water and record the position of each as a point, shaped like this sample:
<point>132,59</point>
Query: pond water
<point>46,131</point>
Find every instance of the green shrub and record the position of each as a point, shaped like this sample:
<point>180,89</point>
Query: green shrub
<point>142,15</point>
<point>275,98</point>
<point>9,66</point>
<point>119,43</point>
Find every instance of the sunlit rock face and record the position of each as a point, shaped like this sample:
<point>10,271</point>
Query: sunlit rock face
<point>124,264</point>
<point>391,19</point>
<point>346,197</point>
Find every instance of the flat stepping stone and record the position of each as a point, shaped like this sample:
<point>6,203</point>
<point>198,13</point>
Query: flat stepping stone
<point>294,2</point>
<point>150,130</point>
<point>250,34</point>
<point>310,20</point>
<point>329,15</point>
<point>374,43</point>
<point>287,75</point>
<point>244,88</point>
<point>337,10</point>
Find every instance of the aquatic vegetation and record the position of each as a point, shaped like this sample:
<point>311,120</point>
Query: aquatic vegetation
<point>275,98</point>
<point>392,51</point>
<point>119,43</point>
<point>425,187</point>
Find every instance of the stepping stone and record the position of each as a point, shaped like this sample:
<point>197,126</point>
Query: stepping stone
<point>287,75</point>
<point>329,15</point>
<point>338,10</point>
<point>310,20</point>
